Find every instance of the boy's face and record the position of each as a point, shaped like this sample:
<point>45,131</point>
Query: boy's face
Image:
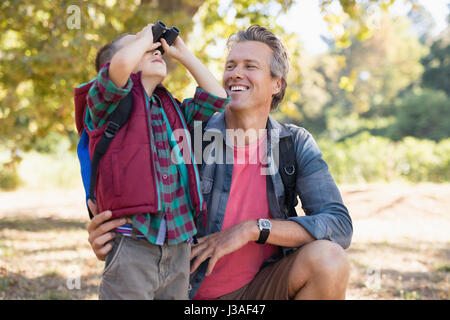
<point>151,63</point>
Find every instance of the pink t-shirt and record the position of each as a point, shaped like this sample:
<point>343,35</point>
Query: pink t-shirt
<point>247,200</point>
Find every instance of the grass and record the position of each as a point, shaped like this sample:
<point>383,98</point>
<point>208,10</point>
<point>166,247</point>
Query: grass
<point>443,268</point>
<point>400,249</point>
<point>54,171</point>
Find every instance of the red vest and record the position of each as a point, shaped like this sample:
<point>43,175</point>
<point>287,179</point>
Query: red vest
<point>126,179</point>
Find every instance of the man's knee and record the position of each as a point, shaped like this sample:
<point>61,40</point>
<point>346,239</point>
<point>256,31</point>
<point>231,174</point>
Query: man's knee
<point>324,258</point>
<point>321,271</point>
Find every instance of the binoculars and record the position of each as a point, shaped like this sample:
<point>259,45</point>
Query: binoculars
<point>160,30</point>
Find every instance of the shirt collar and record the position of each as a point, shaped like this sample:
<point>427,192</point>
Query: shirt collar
<point>275,129</point>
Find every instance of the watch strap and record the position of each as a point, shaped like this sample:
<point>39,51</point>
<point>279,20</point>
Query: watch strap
<point>263,235</point>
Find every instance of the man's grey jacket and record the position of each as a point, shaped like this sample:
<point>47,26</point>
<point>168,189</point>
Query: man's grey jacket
<point>326,216</point>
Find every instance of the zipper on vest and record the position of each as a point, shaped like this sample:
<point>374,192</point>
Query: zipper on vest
<point>151,151</point>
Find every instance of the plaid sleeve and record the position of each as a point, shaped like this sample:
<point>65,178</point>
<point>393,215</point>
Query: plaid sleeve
<point>202,106</point>
<point>104,96</point>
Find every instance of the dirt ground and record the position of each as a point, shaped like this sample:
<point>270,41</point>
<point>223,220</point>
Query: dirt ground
<point>400,247</point>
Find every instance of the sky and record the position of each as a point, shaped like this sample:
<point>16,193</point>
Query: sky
<point>304,17</point>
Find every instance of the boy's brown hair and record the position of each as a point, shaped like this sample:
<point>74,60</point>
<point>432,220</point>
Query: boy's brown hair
<point>106,52</point>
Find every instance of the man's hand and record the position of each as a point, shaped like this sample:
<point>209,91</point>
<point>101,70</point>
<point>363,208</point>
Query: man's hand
<point>99,231</point>
<point>219,244</point>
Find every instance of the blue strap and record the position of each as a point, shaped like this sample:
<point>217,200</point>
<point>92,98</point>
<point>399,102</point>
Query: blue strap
<point>85,161</point>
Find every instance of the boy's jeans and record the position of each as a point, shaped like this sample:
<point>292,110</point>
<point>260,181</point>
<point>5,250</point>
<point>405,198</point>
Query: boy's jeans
<point>137,269</point>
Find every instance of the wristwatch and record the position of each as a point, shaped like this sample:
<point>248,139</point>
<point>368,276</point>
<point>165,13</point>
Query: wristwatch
<point>264,227</point>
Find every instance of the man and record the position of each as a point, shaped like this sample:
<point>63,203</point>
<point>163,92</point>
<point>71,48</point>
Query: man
<point>249,248</point>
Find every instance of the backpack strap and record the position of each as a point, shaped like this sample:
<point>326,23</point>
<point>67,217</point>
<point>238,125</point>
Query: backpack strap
<point>288,172</point>
<point>116,120</point>
<point>202,124</point>
<point>288,169</point>
<point>195,151</point>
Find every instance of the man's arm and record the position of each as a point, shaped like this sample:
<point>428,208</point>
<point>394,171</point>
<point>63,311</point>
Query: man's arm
<point>284,234</point>
<point>326,215</point>
<point>215,246</point>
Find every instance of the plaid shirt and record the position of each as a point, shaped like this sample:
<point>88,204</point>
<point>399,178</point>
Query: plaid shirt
<point>175,221</point>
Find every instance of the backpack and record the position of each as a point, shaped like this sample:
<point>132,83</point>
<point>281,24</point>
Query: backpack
<point>120,116</point>
<point>89,169</point>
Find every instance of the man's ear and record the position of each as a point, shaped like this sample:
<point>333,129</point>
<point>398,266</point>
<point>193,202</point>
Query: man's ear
<point>277,85</point>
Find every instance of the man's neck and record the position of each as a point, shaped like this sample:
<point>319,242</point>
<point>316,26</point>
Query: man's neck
<point>251,122</point>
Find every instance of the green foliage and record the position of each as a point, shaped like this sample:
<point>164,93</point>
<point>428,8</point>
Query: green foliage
<point>376,70</point>
<point>424,114</point>
<point>9,179</point>
<point>373,59</point>
<point>347,90</point>
<point>351,20</point>
<point>367,158</point>
<point>43,57</point>
<point>437,66</point>
<point>359,159</point>
<point>425,160</point>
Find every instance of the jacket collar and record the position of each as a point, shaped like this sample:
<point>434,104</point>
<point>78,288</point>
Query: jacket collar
<point>276,130</point>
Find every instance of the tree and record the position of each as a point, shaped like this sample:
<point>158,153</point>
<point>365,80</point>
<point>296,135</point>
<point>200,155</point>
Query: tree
<point>48,49</point>
<point>372,58</point>
<point>355,19</point>
<point>422,23</point>
<point>46,53</point>
<point>377,69</point>
<point>364,79</point>
<point>422,113</point>
<point>437,66</point>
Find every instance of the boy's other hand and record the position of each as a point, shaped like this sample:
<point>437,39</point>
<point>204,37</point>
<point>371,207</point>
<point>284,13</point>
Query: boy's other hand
<point>177,50</point>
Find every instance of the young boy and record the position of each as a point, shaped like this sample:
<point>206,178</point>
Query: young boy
<point>137,180</point>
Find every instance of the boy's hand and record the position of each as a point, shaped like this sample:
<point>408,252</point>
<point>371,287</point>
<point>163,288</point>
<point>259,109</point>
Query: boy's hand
<point>201,74</point>
<point>146,33</point>
<point>177,50</point>
<point>130,54</point>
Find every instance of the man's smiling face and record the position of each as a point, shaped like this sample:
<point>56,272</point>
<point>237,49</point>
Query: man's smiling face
<point>247,78</point>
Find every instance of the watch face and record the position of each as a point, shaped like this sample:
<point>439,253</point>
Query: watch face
<point>265,224</point>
